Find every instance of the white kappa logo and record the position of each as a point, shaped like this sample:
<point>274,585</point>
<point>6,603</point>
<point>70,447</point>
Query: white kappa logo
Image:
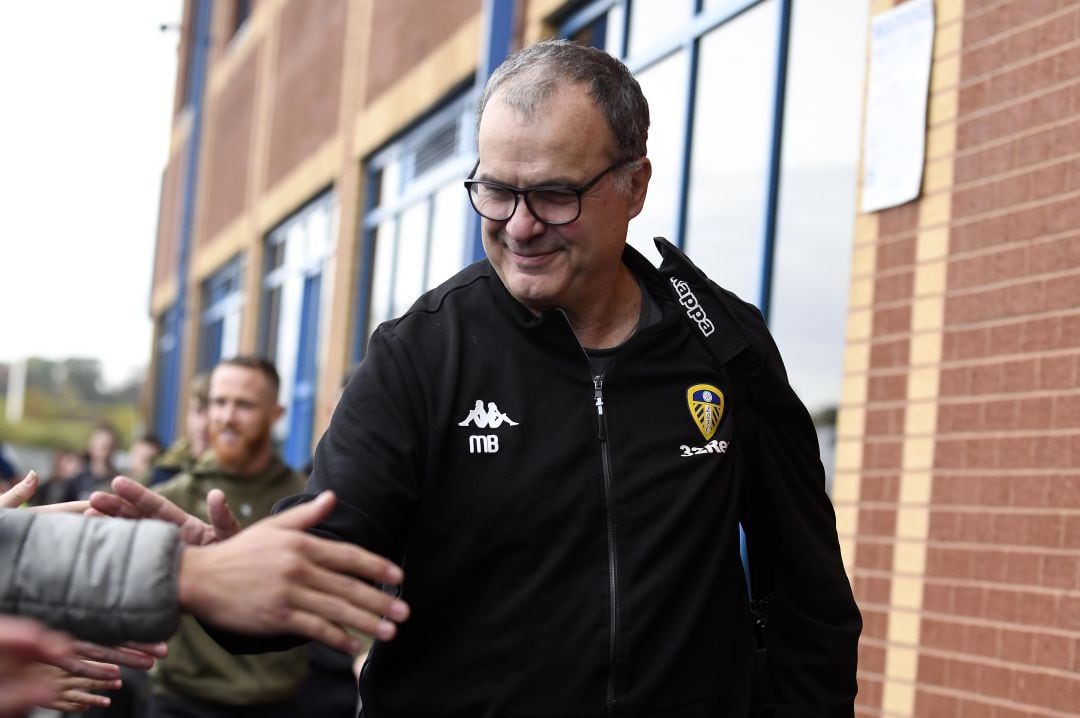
<point>490,417</point>
<point>485,418</point>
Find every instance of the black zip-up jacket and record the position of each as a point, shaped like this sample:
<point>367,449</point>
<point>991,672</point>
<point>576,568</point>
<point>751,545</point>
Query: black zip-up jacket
<point>570,542</point>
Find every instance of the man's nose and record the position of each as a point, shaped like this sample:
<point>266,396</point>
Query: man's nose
<point>523,224</point>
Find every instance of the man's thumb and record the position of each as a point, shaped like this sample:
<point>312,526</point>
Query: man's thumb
<point>305,515</point>
<point>20,492</point>
<point>222,517</point>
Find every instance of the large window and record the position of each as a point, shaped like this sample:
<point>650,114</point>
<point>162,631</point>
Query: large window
<point>291,328</point>
<point>755,109</point>
<point>222,307</point>
<point>418,229</point>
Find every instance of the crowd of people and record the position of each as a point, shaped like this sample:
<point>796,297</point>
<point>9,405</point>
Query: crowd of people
<point>529,495</point>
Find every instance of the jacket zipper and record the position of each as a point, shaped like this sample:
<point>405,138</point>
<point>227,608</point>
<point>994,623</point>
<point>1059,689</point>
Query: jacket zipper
<point>598,398</point>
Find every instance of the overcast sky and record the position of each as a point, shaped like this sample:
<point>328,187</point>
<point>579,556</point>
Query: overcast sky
<point>87,92</point>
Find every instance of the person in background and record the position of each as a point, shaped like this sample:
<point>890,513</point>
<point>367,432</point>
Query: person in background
<point>199,678</point>
<point>100,469</point>
<point>143,453</point>
<point>186,450</point>
<point>66,465</point>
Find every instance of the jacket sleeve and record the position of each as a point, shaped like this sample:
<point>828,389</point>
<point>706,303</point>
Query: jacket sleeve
<point>101,579</point>
<point>812,627</point>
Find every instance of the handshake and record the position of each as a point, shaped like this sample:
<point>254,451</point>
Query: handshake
<point>272,578</point>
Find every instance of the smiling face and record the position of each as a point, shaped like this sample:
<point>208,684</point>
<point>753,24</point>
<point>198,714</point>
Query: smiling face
<point>243,407</point>
<point>566,141</point>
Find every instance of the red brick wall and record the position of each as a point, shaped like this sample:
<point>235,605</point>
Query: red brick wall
<point>886,397</point>
<point>307,81</point>
<point>408,31</point>
<point>170,208</point>
<point>228,149</point>
<point>1002,597</point>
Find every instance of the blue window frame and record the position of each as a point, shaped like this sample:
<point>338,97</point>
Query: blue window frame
<point>418,228</point>
<point>222,308</point>
<point>167,371</point>
<point>291,327</point>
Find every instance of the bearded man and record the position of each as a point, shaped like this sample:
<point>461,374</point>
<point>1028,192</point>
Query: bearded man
<point>199,678</point>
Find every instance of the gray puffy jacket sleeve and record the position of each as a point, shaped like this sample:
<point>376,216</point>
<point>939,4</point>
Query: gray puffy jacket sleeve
<point>101,579</point>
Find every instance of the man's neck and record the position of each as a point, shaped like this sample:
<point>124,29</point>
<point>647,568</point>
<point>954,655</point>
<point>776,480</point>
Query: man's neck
<point>611,320</point>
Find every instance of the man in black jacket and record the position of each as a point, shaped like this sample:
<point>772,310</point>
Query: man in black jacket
<point>560,444</point>
<point>561,461</point>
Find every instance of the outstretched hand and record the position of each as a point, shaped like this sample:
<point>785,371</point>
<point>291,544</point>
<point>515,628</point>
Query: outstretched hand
<point>92,667</point>
<point>274,578</point>
<point>25,489</point>
<point>132,500</point>
<point>25,645</point>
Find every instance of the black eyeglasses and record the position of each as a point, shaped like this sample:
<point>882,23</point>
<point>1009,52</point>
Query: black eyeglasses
<point>551,204</point>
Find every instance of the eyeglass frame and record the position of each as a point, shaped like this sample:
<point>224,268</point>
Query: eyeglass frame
<point>523,192</point>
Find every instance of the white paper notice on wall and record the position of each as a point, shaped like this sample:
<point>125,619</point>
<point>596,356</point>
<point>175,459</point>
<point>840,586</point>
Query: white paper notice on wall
<point>894,138</point>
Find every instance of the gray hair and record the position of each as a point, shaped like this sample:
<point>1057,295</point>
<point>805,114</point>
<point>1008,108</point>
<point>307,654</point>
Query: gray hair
<point>532,74</point>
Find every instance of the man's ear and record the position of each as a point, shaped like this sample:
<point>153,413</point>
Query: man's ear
<point>639,186</point>
<point>278,411</point>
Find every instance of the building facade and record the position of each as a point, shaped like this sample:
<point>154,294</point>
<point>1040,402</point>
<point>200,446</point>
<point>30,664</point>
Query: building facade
<point>314,190</point>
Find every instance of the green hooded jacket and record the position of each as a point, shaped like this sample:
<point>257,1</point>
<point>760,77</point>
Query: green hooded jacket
<point>197,667</point>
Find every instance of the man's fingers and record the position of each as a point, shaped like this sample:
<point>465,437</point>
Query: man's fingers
<point>131,658</point>
<point>157,650</point>
<point>82,683</point>
<point>68,507</point>
<point>317,628</point>
<point>21,492</point>
<point>112,505</point>
<point>345,613</point>
<point>352,560</point>
<point>351,593</point>
<point>149,504</point>
<point>222,517</point>
<point>91,669</point>
<point>77,701</point>
<point>337,555</point>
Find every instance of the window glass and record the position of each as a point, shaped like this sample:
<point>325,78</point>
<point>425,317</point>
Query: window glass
<point>219,321</point>
<point>448,225</point>
<point>419,214</point>
<point>605,32</point>
<point>382,277</point>
<point>411,254</point>
<point>654,20</point>
<point>817,199</point>
<point>664,85</point>
<point>272,312</point>
<point>730,156</point>
<point>296,251</point>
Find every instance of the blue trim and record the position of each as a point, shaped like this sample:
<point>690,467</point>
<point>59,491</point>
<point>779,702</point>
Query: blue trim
<point>168,392</point>
<point>496,47</point>
<point>500,16</point>
<point>365,267</point>
<point>693,54</point>
<point>166,403</point>
<point>297,449</point>
<point>772,200</point>
<point>585,16</point>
